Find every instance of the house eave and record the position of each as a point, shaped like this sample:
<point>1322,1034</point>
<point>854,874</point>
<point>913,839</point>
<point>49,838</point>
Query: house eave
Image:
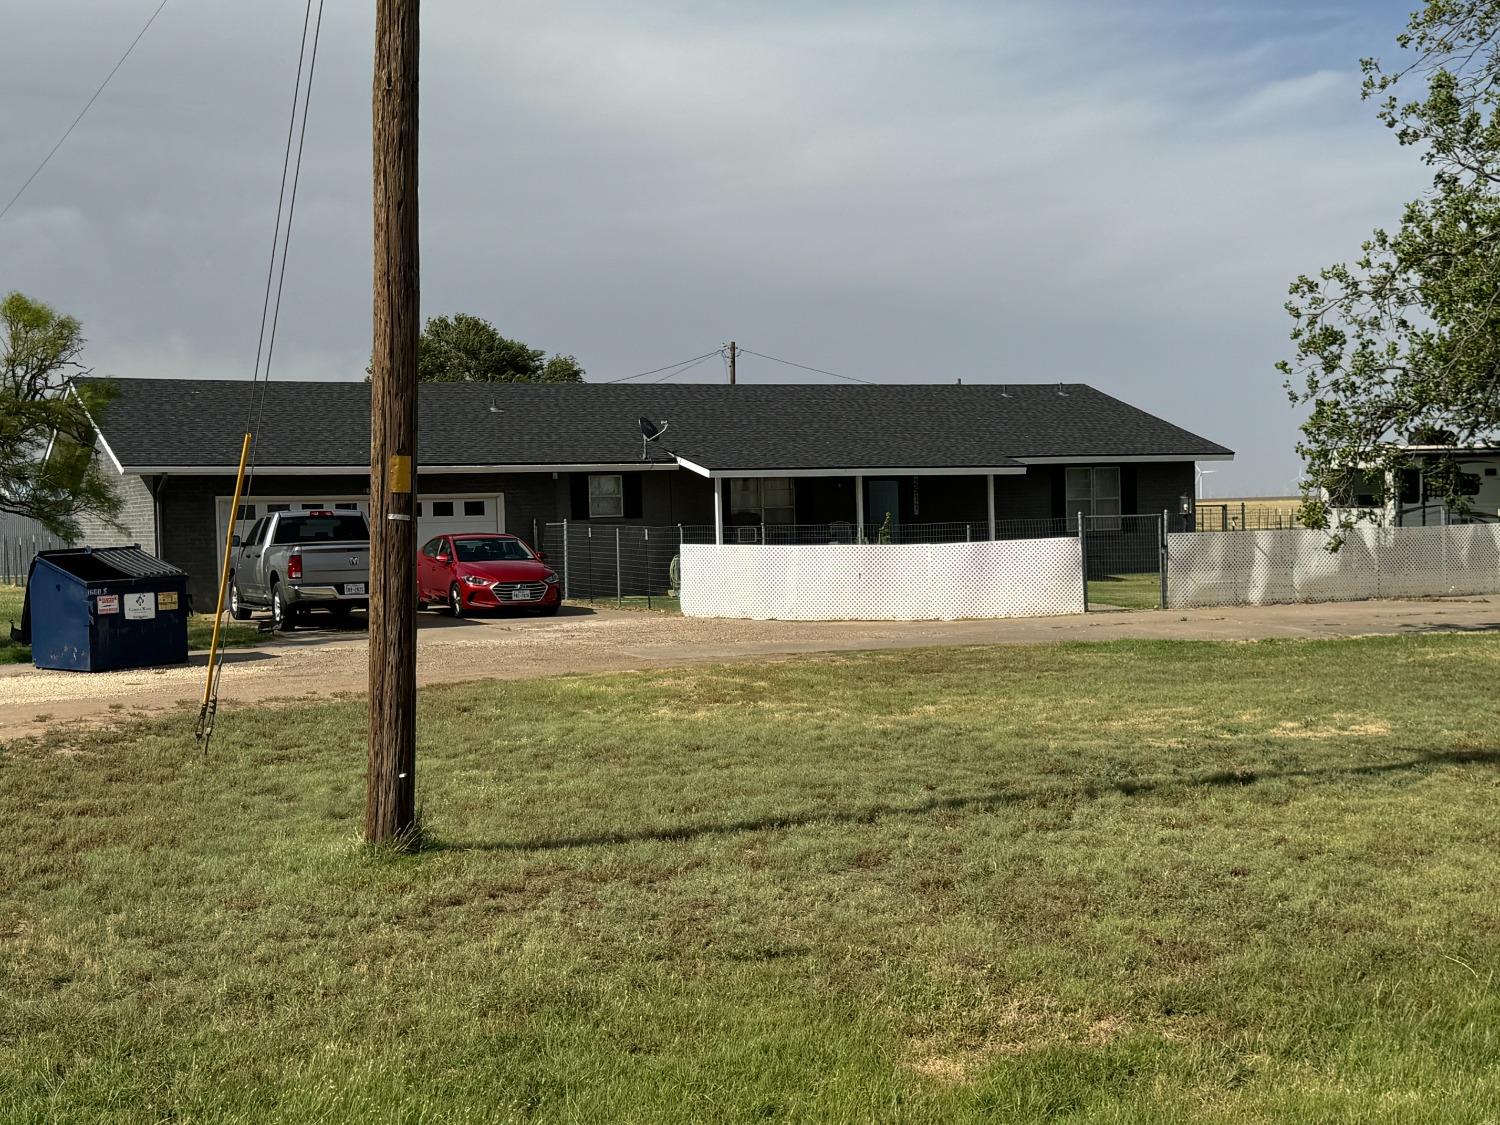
<point>347,470</point>
<point>1136,459</point>
<point>856,471</point>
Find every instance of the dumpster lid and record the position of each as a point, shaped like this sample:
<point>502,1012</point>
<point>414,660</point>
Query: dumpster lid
<point>129,562</point>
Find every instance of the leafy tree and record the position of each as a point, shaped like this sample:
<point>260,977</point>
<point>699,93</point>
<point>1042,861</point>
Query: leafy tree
<point>468,349</point>
<point>48,470</point>
<point>1403,343</point>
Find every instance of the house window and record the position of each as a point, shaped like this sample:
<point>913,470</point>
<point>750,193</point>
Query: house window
<point>349,507</point>
<point>247,512</point>
<point>1095,491</point>
<point>278,507</point>
<point>762,500</point>
<point>606,496</point>
<point>442,508</point>
<point>473,507</point>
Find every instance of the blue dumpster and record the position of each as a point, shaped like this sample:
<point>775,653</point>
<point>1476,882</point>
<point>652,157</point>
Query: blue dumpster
<point>96,609</point>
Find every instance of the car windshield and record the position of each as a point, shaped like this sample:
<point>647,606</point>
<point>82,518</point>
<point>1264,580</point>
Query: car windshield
<point>491,550</point>
<point>331,528</point>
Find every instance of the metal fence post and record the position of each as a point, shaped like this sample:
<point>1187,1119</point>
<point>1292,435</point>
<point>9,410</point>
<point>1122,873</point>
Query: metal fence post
<point>650,571</point>
<point>619,588</point>
<point>1083,561</point>
<point>1163,562</point>
<point>566,568</point>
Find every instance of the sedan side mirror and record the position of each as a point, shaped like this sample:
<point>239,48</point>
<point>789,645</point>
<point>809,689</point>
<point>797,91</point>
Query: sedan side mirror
<point>541,554</point>
<point>235,542</point>
<point>442,557</point>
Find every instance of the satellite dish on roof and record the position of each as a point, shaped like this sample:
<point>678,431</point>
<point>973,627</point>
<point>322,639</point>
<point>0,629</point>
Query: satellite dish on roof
<point>650,431</point>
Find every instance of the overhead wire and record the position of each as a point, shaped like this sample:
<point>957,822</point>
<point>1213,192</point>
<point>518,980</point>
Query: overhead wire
<point>689,367</point>
<point>805,367</point>
<point>683,363</point>
<point>86,107</point>
<point>270,314</point>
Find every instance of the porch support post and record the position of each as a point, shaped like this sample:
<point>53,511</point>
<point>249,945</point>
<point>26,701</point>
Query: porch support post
<point>989,496</point>
<point>718,512</point>
<point>859,507</point>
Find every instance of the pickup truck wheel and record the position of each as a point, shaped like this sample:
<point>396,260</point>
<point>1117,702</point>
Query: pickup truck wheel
<point>237,607</point>
<point>283,616</point>
<point>456,601</point>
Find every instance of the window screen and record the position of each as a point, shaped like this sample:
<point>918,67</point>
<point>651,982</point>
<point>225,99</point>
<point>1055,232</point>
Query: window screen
<point>762,500</point>
<point>606,496</point>
<point>1094,491</point>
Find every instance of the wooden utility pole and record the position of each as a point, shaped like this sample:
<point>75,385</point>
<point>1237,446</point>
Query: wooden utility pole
<point>733,351</point>
<point>391,782</point>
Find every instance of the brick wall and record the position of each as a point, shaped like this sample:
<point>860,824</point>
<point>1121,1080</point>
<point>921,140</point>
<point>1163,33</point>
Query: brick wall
<point>136,519</point>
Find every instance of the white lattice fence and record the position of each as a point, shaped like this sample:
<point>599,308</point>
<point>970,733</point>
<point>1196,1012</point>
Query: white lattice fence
<point>884,582</point>
<point>1265,567</point>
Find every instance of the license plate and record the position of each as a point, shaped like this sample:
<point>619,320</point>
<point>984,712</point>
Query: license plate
<point>521,595</point>
<point>354,587</point>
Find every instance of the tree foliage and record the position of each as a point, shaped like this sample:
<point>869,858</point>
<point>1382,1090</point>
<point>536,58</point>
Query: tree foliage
<point>1403,343</point>
<point>48,471</point>
<point>467,349</point>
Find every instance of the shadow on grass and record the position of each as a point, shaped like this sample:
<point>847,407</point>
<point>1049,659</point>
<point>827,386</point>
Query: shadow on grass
<point>1089,791</point>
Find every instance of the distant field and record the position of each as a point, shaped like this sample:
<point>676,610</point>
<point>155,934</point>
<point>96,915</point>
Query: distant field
<point>1252,512</point>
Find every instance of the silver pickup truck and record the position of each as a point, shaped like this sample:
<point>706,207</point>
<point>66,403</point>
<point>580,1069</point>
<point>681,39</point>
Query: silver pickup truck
<point>290,562</point>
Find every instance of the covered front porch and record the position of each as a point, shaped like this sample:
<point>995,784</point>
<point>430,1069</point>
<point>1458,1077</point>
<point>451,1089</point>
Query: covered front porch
<point>814,508</point>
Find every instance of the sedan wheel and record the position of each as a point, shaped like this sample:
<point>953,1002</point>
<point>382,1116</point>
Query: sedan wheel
<point>456,601</point>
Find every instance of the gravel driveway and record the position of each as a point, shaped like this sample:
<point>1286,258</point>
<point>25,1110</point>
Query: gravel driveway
<point>324,663</point>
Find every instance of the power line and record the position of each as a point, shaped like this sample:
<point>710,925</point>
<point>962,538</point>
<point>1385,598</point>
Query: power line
<point>261,376</point>
<point>658,370</point>
<point>689,367</point>
<point>69,130</point>
<point>804,367</point>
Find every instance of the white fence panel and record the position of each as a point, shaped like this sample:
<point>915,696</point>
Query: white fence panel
<point>1265,567</point>
<point>884,582</point>
<point>1471,558</point>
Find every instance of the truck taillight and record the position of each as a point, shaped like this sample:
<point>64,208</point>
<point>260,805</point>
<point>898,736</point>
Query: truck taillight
<point>294,566</point>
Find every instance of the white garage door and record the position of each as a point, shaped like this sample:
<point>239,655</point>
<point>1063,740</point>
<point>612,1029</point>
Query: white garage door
<point>435,514</point>
<point>441,515</point>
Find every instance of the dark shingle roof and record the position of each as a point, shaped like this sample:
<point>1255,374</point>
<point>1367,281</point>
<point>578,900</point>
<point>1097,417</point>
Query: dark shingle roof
<point>166,423</point>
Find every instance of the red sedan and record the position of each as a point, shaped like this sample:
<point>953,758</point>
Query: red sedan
<point>466,572</point>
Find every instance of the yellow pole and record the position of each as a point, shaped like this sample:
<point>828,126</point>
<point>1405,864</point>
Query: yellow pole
<point>213,643</point>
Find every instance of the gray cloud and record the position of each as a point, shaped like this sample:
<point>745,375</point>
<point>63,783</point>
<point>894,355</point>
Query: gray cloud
<point>901,192</point>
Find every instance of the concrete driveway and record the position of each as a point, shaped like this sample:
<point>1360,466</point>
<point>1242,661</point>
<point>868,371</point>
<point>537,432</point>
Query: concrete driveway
<point>323,663</point>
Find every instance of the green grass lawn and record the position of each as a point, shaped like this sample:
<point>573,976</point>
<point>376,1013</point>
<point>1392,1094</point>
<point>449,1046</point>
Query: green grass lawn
<point>1126,591</point>
<point>234,634</point>
<point>655,605</point>
<point>1009,884</point>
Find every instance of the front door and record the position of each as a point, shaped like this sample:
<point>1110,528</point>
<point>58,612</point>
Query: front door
<point>885,499</point>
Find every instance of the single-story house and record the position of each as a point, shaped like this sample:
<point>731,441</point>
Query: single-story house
<point>514,457</point>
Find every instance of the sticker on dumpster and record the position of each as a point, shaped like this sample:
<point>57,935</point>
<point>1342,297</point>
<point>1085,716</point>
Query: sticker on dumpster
<point>140,607</point>
<point>108,603</point>
<point>166,600</point>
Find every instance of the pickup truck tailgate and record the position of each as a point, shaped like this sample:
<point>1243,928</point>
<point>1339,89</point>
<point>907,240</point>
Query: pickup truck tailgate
<point>334,564</point>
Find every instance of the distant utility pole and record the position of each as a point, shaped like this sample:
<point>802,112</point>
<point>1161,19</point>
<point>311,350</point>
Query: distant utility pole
<point>391,781</point>
<point>733,351</point>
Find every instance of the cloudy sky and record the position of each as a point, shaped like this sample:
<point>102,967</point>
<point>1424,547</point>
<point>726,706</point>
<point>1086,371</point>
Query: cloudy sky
<point>1085,190</point>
